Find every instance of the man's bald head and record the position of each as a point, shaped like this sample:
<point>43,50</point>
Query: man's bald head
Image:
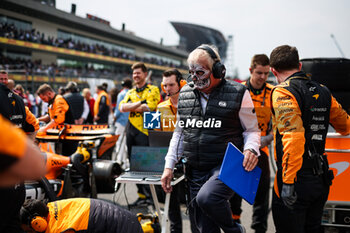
<point>11,84</point>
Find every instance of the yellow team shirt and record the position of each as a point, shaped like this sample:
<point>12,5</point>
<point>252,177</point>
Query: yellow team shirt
<point>168,115</point>
<point>151,95</point>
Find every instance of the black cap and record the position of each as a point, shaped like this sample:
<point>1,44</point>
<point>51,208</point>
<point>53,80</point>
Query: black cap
<point>127,83</point>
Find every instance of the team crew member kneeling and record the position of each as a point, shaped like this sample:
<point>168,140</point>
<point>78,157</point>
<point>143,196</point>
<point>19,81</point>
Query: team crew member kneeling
<point>77,215</point>
<point>230,107</point>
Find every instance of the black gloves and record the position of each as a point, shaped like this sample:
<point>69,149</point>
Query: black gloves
<point>265,140</point>
<point>288,195</point>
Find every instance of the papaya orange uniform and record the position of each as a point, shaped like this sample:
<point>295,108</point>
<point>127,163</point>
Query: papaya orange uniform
<point>301,112</point>
<point>90,215</point>
<point>101,107</point>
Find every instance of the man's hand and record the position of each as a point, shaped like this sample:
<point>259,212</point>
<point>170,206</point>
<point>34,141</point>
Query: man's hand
<point>41,131</point>
<point>250,160</point>
<point>288,195</point>
<point>79,121</point>
<point>144,108</point>
<point>166,179</point>
<point>96,118</point>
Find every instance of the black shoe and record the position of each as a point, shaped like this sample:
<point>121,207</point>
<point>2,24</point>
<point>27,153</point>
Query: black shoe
<point>142,202</point>
<point>241,228</point>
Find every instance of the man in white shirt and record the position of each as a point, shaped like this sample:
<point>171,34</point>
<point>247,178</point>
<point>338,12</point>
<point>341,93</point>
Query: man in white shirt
<point>211,113</point>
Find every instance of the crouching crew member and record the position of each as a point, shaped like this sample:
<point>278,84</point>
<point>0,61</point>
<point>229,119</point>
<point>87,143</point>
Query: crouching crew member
<point>77,215</point>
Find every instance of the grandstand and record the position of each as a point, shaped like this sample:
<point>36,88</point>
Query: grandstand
<point>193,35</point>
<point>40,43</point>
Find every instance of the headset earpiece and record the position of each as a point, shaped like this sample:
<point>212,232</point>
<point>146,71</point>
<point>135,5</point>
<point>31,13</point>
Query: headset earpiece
<point>218,69</point>
<point>162,86</point>
<point>38,224</point>
<point>179,80</point>
<point>182,83</point>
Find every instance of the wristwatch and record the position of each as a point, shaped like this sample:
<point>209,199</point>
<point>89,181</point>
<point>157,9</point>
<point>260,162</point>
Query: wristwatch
<point>144,102</point>
<point>253,151</point>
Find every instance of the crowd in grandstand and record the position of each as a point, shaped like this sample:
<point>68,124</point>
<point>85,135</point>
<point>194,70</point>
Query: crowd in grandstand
<point>36,66</point>
<point>11,31</point>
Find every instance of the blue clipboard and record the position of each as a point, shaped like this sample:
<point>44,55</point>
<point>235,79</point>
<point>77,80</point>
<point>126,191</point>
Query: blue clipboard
<point>232,173</point>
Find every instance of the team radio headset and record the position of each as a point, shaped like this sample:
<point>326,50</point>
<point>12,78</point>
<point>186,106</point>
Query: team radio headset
<point>35,221</point>
<point>218,69</point>
<point>179,80</point>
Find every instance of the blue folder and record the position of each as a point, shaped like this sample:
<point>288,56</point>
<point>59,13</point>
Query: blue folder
<point>233,174</point>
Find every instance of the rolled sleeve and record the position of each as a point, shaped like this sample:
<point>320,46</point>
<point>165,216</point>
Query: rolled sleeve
<point>175,150</point>
<point>249,123</point>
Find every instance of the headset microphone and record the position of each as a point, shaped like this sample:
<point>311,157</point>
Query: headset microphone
<point>190,81</point>
<point>173,93</point>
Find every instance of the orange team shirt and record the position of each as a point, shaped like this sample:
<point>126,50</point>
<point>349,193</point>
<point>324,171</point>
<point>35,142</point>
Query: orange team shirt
<point>98,99</point>
<point>263,110</point>
<point>58,109</point>
<point>68,214</point>
<point>293,132</point>
<point>12,140</point>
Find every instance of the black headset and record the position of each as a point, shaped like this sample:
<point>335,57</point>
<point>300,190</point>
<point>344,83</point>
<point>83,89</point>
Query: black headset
<point>218,68</point>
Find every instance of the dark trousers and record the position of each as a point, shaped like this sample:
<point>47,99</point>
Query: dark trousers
<point>209,198</point>
<point>175,211</point>
<point>306,215</point>
<point>11,201</point>
<point>136,138</point>
<point>261,203</point>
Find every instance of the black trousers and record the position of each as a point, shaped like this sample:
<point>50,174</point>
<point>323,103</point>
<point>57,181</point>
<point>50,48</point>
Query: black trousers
<point>261,203</point>
<point>209,198</point>
<point>11,201</point>
<point>136,138</point>
<point>175,211</point>
<point>312,194</point>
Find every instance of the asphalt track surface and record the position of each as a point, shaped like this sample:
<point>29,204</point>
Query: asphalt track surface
<point>128,194</point>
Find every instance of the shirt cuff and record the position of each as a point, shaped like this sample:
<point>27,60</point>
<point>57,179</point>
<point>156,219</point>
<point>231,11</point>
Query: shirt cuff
<point>170,163</point>
<point>252,146</point>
